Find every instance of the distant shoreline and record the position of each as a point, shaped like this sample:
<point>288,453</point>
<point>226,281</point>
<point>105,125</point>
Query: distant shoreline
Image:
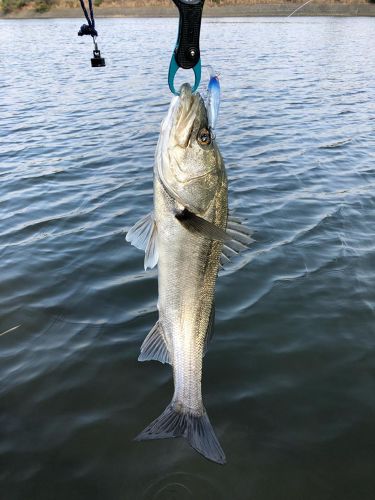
<point>252,10</point>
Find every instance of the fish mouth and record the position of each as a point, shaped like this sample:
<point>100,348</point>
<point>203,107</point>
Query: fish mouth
<point>190,112</point>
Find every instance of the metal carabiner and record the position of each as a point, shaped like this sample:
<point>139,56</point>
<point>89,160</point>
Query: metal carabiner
<point>186,54</point>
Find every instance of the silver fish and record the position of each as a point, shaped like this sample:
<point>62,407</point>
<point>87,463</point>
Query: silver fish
<point>187,235</point>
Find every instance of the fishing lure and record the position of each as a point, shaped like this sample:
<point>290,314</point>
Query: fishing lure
<point>213,97</point>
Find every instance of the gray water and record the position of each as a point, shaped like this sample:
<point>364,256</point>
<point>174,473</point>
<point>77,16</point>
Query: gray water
<point>289,379</point>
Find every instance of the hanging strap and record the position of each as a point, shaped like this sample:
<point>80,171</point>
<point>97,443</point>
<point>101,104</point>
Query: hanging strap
<point>88,29</point>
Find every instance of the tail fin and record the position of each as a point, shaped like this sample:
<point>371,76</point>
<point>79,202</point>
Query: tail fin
<point>196,429</point>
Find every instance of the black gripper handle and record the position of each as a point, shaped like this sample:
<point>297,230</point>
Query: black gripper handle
<point>187,51</point>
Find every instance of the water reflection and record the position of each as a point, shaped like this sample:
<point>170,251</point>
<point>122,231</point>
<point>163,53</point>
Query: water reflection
<point>182,486</point>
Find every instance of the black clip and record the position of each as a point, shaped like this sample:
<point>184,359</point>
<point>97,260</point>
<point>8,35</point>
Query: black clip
<point>186,54</point>
<point>97,61</point>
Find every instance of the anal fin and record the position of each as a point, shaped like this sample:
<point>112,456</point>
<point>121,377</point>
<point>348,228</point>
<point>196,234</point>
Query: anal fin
<point>154,346</point>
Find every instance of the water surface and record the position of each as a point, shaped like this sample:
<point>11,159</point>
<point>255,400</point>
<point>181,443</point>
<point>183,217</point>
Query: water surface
<point>289,379</point>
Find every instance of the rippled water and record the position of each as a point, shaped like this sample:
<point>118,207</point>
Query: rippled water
<point>289,379</point>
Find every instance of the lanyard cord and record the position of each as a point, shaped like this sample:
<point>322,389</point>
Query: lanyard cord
<point>88,29</point>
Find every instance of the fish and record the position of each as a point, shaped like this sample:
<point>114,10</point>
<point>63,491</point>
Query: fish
<point>188,235</point>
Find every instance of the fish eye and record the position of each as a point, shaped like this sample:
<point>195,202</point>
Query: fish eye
<point>204,137</point>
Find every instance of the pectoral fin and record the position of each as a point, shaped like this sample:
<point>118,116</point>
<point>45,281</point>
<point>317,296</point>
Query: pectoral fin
<point>143,236</point>
<point>196,224</point>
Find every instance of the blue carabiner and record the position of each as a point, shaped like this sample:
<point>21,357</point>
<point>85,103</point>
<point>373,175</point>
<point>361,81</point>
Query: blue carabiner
<point>173,68</point>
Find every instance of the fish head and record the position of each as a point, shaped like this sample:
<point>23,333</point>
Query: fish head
<point>188,159</point>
